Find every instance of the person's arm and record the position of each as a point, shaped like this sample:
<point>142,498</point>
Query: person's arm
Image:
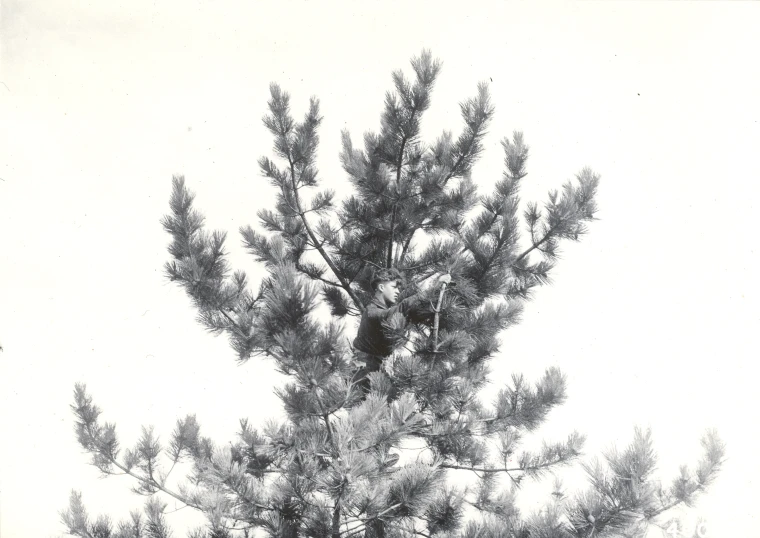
<point>414,303</point>
<point>408,306</point>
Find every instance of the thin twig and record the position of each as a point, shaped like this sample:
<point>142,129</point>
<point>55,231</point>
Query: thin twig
<point>313,236</point>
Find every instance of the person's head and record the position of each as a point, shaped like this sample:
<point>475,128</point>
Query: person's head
<point>386,283</point>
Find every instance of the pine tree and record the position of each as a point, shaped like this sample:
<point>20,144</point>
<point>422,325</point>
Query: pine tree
<point>331,468</point>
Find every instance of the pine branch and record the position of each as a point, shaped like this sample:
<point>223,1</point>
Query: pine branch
<point>536,244</point>
<point>625,496</point>
<point>315,242</point>
<point>91,438</point>
<point>527,470</point>
<point>337,512</point>
<point>389,258</point>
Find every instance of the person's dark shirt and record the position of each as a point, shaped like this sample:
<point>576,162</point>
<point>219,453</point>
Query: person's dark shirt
<point>371,337</point>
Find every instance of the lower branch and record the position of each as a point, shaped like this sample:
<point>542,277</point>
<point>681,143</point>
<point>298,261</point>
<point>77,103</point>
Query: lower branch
<point>502,469</point>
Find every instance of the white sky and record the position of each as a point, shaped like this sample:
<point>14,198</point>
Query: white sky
<point>652,316</point>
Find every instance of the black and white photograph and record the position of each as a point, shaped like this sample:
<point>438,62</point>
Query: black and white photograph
<point>391,269</point>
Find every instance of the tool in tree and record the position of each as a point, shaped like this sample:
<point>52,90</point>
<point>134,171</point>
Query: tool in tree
<point>437,310</point>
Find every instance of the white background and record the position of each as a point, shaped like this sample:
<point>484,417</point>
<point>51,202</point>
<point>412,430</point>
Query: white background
<point>653,316</point>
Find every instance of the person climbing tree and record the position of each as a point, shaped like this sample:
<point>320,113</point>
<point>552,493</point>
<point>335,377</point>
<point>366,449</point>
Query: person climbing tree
<point>372,343</point>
